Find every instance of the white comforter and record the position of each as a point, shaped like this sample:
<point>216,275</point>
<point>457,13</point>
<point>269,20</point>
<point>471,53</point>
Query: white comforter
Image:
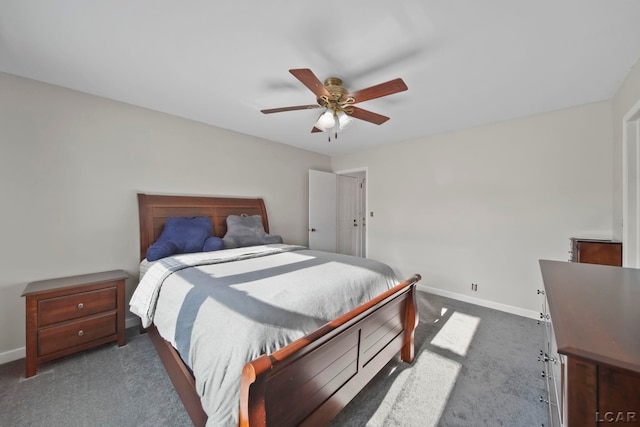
<point>143,301</point>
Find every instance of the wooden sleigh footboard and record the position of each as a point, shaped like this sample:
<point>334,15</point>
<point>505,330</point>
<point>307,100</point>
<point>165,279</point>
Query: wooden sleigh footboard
<point>324,370</point>
<point>321,372</point>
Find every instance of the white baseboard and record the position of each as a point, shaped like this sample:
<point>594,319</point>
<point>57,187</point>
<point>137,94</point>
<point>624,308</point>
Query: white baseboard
<point>130,322</point>
<point>11,355</point>
<point>21,353</point>
<point>482,302</point>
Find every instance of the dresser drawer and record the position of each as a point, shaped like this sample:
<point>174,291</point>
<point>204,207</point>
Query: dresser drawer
<point>75,333</point>
<point>69,307</point>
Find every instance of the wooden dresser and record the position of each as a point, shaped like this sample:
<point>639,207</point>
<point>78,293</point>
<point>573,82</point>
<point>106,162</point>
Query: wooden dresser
<point>70,314</point>
<point>593,358</point>
<point>596,251</point>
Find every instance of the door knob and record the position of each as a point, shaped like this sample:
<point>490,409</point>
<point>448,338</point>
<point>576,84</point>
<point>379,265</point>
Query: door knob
<point>312,230</point>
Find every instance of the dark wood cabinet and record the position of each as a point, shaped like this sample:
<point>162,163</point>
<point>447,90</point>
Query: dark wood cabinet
<point>596,251</point>
<point>595,321</point>
<point>70,314</point>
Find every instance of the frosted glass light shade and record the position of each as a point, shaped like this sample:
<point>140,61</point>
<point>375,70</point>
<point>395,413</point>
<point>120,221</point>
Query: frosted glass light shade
<point>344,120</point>
<point>326,120</point>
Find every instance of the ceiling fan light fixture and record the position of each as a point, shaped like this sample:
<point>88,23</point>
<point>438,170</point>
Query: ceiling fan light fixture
<point>326,120</point>
<point>338,102</point>
<point>344,120</point>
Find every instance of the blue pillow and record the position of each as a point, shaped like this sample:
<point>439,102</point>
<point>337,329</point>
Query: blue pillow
<point>213,243</point>
<point>186,233</point>
<point>161,249</point>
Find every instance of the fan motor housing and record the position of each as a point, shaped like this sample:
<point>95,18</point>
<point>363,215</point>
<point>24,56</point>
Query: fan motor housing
<point>334,87</point>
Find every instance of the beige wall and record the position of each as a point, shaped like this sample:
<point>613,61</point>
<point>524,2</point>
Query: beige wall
<point>483,205</point>
<point>626,97</point>
<point>71,165</point>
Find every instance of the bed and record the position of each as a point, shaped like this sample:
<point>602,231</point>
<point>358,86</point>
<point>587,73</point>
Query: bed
<point>321,370</point>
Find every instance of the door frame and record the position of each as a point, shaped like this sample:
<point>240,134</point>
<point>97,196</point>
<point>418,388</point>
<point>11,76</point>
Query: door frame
<point>631,196</point>
<point>366,202</point>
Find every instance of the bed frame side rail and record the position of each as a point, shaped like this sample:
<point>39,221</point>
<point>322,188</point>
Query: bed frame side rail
<point>180,376</point>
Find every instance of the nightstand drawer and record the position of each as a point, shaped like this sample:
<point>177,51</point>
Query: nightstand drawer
<point>68,307</point>
<point>75,333</point>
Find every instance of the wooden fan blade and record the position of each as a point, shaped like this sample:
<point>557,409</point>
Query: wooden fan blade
<point>368,116</point>
<point>298,107</point>
<point>310,80</point>
<point>315,130</point>
<point>377,91</point>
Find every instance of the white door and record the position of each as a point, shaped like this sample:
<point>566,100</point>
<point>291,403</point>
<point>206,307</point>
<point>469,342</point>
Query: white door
<point>322,211</point>
<point>631,188</point>
<point>348,215</point>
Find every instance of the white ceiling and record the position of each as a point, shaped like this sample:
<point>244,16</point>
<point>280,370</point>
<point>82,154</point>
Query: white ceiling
<point>466,62</point>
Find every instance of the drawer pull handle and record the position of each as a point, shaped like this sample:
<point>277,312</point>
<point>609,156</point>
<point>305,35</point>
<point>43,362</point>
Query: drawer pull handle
<point>80,306</point>
<point>80,333</point>
<point>545,358</point>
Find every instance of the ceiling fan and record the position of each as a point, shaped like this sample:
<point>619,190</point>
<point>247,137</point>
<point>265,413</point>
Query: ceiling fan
<point>338,102</point>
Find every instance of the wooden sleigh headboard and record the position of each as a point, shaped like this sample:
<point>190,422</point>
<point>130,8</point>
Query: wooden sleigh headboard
<point>155,209</point>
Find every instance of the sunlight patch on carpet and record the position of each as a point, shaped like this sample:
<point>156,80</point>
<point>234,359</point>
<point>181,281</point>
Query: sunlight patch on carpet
<point>456,334</point>
<point>423,396</point>
<point>442,313</point>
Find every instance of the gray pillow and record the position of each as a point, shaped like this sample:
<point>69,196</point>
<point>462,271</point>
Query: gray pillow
<point>247,230</point>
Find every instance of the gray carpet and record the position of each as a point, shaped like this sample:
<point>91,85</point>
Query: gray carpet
<point>474,367</point>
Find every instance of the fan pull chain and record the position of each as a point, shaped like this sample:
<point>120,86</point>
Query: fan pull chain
<point>335,126</point>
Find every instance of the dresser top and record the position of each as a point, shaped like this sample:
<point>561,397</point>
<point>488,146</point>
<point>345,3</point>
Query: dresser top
<point>595,310</point>
<point>595,239</point>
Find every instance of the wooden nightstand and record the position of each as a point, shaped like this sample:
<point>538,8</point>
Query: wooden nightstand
<point>72,314</point>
